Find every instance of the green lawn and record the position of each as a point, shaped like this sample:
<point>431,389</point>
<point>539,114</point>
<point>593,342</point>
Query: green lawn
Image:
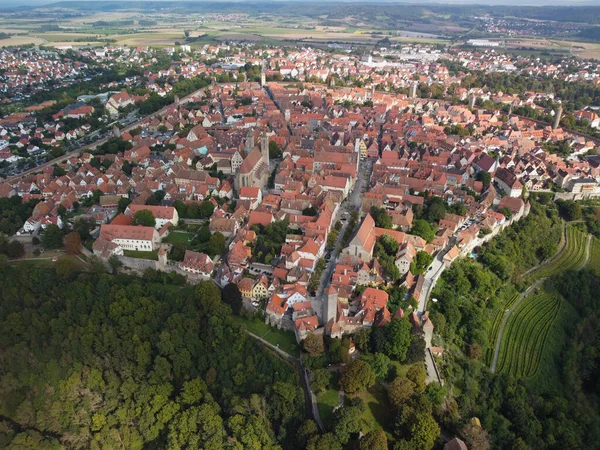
<point>285,339</point>
<point>326,402</point>
<point>377,409</point>
<point>178,238</point>
<point>141,255</point>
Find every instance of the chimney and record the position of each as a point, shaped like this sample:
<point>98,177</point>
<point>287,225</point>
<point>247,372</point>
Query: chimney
<point>557,117</point>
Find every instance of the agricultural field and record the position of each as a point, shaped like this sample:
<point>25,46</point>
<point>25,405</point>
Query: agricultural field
<point>571,257</point>
<point>526,334</point>
<point>495,329</point>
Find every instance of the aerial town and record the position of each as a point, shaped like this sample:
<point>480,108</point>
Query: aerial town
<point>336,192</point>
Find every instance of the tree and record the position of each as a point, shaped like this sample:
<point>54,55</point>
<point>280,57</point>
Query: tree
<point>232,296</point>
<point>52,237</point>
<point>206,209</point>
<point>397,338</point>
<point>307,430</point>
<point>115,263</point>
<point>380,363</point>
<point>357,376</point>
<point>274,150</point>
<point>313,344</point>
<point>73,243</point>
<point>418,375</point>
<point>374,440</point>
<point>123,204</point>
<point>422,228</point>
<point>216,244</point>
<point>319,380</point>
<point>15,249</point>
<point>416,351</point>
<point>400,390</point>
<point>327,441</point>
<point>310,211</point>
<point>484,177</point>
<point>144,217</point>
<point>346,421</point>
<point>424,431</point>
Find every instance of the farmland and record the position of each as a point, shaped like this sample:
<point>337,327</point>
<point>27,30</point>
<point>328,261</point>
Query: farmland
<point>496,326</point>
<point>527,331</point>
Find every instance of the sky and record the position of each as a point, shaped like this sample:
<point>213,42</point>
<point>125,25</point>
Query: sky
<point>12,3</point>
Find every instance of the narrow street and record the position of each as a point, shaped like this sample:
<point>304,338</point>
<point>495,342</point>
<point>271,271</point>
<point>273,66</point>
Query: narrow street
<point>352,203</point>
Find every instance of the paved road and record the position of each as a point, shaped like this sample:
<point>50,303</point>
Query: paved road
<point>353,203</point>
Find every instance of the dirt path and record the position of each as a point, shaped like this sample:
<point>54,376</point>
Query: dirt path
<point>587,253</point>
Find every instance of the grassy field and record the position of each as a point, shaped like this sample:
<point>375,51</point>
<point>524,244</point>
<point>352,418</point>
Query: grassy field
<point>141,255</point>
<point>286,340</point>
<point>326,402</point>
<point>178,238</point>
<point>376,414</point>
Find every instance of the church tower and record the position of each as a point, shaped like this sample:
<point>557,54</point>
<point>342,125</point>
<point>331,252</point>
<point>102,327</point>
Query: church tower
<point>249,141</point>
<point>264,148</point>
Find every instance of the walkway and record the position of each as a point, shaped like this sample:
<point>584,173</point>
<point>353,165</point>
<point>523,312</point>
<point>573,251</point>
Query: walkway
<point>308,393</point>
<point>588,248</point>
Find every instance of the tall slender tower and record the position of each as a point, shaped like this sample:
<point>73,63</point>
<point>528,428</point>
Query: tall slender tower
<point>413,90</point>
<point>557,117</point>
<point>264,147</point>
<point>250,141</point>
<point>263,75</point>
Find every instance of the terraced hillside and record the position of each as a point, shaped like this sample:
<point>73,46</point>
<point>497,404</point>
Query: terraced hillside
<point>526,333</point>
<point>571,257</point>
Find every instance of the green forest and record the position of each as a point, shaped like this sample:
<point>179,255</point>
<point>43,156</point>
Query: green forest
<point>91,360</point>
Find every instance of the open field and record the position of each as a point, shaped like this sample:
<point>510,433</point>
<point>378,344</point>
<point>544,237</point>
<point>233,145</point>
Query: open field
<point>326,402</point>
<point>376,409</point>
<point>581,49</point>
<point>285,340</point>
<point>526,334</point>
<point>141,255</point>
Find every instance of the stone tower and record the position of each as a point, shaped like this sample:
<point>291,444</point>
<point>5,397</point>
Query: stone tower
<point>263,75</point>
<point>287,115</point>
<point>557,117</point>
<point>331,304</point>
<point>413,90</point>
<point>250,141</point>
<point>472,100</point>
<point>264,148</point>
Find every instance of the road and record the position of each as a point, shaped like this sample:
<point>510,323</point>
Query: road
<point>352,203</point>
<point>431,276</point>
<point>90,147</point>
